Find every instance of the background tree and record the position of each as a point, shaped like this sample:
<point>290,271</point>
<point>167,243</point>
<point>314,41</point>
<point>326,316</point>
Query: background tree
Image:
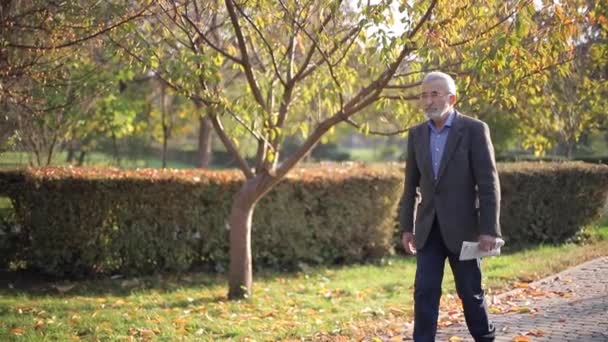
<point>40,45</point>
<point>263,71</point>
<point>319,55</point>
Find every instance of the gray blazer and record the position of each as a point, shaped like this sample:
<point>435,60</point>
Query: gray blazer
<point>466,195</point>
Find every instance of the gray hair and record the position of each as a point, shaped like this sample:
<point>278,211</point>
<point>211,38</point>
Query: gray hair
<point>447,79</point>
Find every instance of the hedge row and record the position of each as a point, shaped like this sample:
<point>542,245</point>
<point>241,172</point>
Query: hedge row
<point>76,221</point>
<point>550,202</point>
<point>79,221</point>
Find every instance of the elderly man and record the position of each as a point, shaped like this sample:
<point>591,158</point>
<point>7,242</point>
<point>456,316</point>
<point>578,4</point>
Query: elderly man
<point>452,186</point>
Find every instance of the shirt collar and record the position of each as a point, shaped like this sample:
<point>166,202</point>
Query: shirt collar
<point>448,122</point>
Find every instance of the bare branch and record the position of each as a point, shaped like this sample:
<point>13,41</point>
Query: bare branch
<point>403,86</point>
<point>310,53</point>
<point>399,97</point>
<point>371,93</point>
<point>253,84</point>
<point>158,73</point>
<point>265,41</point>
<point>255,134</point>
<point>203,36</point>
<point>221,132</point>
<point>80,40</point>
<point>373,132</point>
<point>308,144</point>
<point>423,20</point>
<point>491,28</point>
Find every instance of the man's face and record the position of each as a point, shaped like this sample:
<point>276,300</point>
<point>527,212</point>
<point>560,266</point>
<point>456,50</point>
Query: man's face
<point>435,99</point>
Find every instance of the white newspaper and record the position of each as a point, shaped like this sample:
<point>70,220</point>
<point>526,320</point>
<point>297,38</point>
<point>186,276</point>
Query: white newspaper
<point>470,250</point>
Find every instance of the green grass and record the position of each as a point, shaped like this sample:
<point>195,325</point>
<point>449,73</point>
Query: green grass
<point>364,154</point>
<point>12,159</point>
<point>284,306</point>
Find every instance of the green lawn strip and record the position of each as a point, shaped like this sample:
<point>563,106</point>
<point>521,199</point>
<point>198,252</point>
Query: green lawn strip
<point>12,159</point>
<point>284,306</point>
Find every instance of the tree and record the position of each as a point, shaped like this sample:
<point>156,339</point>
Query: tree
<point>258,69</point>
<point>319,54</point>
<point>541,82</point>
<point>39,42</point>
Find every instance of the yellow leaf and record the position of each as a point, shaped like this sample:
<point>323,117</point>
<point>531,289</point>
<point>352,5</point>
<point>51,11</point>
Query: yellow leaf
<point>524,309</point>
<point>39,324</point>
<point>521,338</point>
<point>495,310</point>
<point>455,339</point>
<point>180,321</point>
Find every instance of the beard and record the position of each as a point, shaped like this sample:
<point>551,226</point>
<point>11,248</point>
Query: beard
<point>435,113</point>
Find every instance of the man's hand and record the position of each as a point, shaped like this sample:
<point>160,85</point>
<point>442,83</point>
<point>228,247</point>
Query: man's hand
<point>486,242</point>
<point>408,242</point>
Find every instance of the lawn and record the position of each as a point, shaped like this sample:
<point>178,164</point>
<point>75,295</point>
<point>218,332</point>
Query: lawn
<point>20,159</point>
<point>341,301</point>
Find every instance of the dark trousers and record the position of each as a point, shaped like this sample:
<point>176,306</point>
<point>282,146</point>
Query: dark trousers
<point>430,261</point>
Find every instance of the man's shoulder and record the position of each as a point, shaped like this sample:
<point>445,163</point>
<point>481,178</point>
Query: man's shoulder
<point>417,127</point>
<point>470,121</point>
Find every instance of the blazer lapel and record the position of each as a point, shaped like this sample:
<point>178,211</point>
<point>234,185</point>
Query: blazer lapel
<point>425,149</point>
<point>450,145</point>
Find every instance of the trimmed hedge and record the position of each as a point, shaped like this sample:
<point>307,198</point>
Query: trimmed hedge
<point>80,221</point>
<point>550,202</point>
<point>76,221</point>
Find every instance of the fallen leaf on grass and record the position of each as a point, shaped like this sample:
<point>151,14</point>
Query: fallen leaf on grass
<point>521,285</point>
<point>39,324</point>
<point>181,331</point>
<point>119,302</point>
<point>17,331</point>
<point>142,332</point>
<point>180,321</point>
<point>396,311</point>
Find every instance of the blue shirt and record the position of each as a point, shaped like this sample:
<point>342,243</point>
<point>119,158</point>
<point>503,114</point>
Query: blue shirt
<point>438,140</point>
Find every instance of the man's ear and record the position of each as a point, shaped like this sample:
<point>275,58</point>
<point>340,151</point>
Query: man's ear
<point>452,99</point>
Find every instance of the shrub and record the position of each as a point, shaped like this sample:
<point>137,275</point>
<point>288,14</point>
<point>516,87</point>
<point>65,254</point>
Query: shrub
<point>88,220</point>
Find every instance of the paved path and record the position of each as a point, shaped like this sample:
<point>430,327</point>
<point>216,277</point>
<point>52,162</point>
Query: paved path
<point>568,306</point>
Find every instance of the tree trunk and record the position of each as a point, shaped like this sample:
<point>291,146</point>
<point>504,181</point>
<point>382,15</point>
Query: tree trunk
<point>115,149</point>
<point>71,152</point>
<point>163,155</point>
<point>241,214</point>
<point>164,126</point>
<point>570,149</point>
<point>204,142</point>
<point>83,154</point>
